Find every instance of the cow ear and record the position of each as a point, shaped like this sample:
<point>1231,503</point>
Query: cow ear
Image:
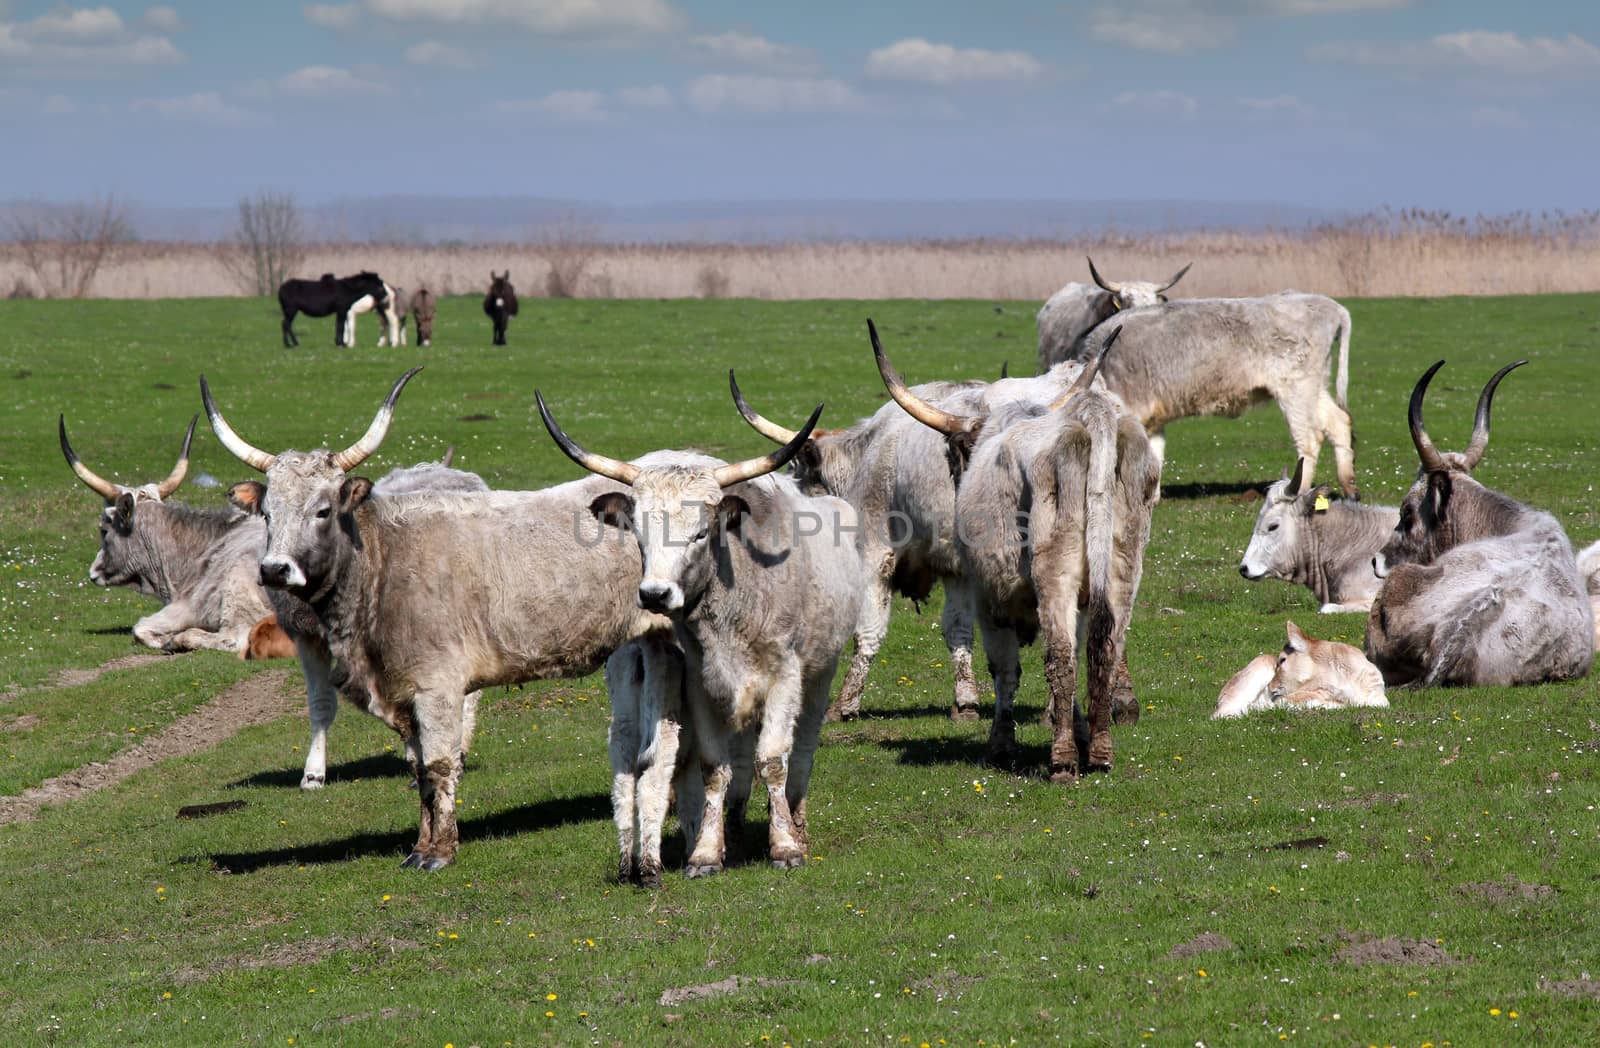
<point>247,495</point>
<point>122,509</point>
<point>352,493</point>
<point>1438,500</point>
<point>1297,640</point>
<point>614,508</point>
<point>730,511</point>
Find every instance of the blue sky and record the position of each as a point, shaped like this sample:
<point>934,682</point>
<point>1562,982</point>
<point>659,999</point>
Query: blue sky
<point>1460,104</point>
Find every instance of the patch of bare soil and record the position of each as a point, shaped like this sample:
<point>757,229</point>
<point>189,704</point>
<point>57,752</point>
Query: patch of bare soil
<point>256,700</point>
<point>20,723</point>
<point>944,984</point>
<point>1585,987</point>
<point>1362,950</point>
<point>1205,942</point>
<point>1509,890</point>
<point>292,955</point>
<point>75,678</point>
<point>732,984</point>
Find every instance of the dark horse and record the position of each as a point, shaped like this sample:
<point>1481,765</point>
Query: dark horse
<point>500,304</point>
<point>318,298</point>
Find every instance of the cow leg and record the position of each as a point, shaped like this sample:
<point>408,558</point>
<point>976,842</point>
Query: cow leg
<point>716,771</point>
<point>1158,444</point>
<point>802,756</point>
<point>1305,430</point>
<point>469,722</point>
<point>158,630</point>
<point>1059,627</point>
<point>773,748</point>
<point>438,750</point>
<point>1124,703</point>
<point>1005,666</point>
<point>1335,422</point>
<point>960,608</point>
<point>624,678</point>
<point>322,703</point>
<point>655,779</point>
<point>871,627</point>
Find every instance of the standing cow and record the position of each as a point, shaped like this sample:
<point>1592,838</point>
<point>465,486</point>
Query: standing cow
<point>1305,536</point>
<point>764,587</point>
<point>1070,314</point>
<point>1478,588</point>
<point>1053,513</point>
<point>500,304</point>
<point>425,598</point>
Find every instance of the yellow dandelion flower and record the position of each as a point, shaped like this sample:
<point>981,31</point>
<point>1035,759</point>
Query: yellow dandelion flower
<point>386,898</point>
<point>167,996</point>
<point>550,997</point>
<point>549,1015</point>
<point>1511,1015</point>
<point>1200,972</point>
<point>1494,1011</point>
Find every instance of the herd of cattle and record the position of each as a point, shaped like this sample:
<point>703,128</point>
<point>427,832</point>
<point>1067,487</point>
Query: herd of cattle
<point>345,298</point>
<point>719,596</point>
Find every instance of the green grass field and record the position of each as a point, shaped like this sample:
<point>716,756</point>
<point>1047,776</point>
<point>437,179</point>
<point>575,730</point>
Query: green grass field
<point>946,903</point>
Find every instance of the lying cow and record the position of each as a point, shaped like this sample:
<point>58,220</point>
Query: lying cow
<point>1053,511</point>
<point>763,585</point>
<point>476,590</point>
<point>1478,588</point>
<point>1070,314</point>
<point>1308,674</point>
<point>1306,536</point>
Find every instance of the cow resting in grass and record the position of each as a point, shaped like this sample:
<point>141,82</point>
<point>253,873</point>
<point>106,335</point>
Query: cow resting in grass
<point>1219,356</point>
<point>763,585</point>
<point>1305,535</point>
<point>1077,309</point>
<point>1478,589</point>
<point>1053,513</point>
<point>425,598</point>
<point>1308,674</point>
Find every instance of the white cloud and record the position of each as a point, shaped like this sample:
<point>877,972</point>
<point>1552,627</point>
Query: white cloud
<point>567,107</point>
<point>1278,105</point>
<point>327,80</point>
<point>332,16</point>
<point>202,106</point>
<point>1157,103</point>
<point>771,94</point>
<point>78,25</point>
<point>746,49</point>
<point>1330,7</point>
<point>1165,32</point>
<point>163,18</point>
<point>923,61</point>
<point>59,105</point>
<point>656,96</point>
<point>433,53</point>
<point>82,40</point>
<point>1473,52</point>
<point>554,17</point>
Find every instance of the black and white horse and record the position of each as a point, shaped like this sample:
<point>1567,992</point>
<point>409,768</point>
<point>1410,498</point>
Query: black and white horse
<point>392,317</point>
<point>500,304</point>
<point>331,296</point>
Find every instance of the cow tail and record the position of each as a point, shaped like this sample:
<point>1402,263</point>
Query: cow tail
<point>1341,386</point>
<point>1099,541</point>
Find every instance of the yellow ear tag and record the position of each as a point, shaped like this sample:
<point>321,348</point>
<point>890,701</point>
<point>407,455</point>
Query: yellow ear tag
<point>1321,504</point>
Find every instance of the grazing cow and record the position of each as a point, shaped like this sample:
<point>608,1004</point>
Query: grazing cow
<point>1478,588</point>
<point>1306,536</point>
<point>425,598</point>
<point>1308,674</point>
<point>423,307</point>
<point>500,304</point>
<point>763,585</point>
<point>1077,309</point>
<point>1219,356</point>
<point>329,296</point>
<point>1053,513</point>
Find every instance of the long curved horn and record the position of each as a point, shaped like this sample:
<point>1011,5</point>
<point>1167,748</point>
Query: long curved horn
<point>102,487</point>
<point>1168,285</point>
<point>1480,423</point>
<point>750,469</point>
<point>357,453</point>
<point>250,455</point>
<point>764,426</point>
<point>1086,376</point>
<point>1105,285</point>
<point>1426,452</point>
<point>1294,478</point>
<point>616,469</point>
<point>915,406</point>
<point>168,486</point>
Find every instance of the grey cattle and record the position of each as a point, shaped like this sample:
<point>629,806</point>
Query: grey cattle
<point>199,563</point>
<point>1071,313</point>
<point>763,585</point>
<point>1306,536</point>
<point>428,597</point>
<point>1219,356</point>
<point>1478,588</point>
<point>1053,513</point>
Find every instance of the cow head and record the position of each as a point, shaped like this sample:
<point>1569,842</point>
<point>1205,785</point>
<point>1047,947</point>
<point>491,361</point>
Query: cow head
<point>1445,506</point>
<point>1305,661</point>
<point>117,563</point>
<point>309,500</point>
<point>681,515</point>
<point>1131,294</point>
<point>1287,509</point>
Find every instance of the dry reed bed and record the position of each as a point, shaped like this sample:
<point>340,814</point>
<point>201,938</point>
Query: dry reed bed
<point>1346,260</point>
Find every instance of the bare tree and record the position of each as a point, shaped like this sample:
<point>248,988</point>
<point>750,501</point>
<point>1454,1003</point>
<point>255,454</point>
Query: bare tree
<point>64,245</point>
<point>267,245</point>
<point>569,246</point>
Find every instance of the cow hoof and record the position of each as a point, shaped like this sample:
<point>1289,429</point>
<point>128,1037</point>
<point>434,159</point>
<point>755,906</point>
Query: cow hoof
<point>1099,768</point>
<point>1002,755</point>
<point>836,713</point>
<point>434,862</point>
<point>1064,775</point>
<point>625,870</point>
<point>650,877</point>
<point>412,860</point>
<point>312,782</point>
<point>788,862</point>
<point>1125,710</point>
<point>963,713</point>
<point>694,871</point>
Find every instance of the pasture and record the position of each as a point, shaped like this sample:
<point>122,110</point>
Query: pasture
<point>1429,873</point>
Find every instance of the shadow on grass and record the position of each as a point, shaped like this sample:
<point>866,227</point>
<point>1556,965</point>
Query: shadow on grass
<point>1033,761</point>
<point>1200,491</point>
<point>377,766</point>
<point>526,818</point>
<point>110,631</point>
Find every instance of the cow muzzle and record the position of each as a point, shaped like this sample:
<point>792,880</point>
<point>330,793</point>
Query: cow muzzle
<point>663,598</point>
<point>281,573</point>
<point>97,570</point>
